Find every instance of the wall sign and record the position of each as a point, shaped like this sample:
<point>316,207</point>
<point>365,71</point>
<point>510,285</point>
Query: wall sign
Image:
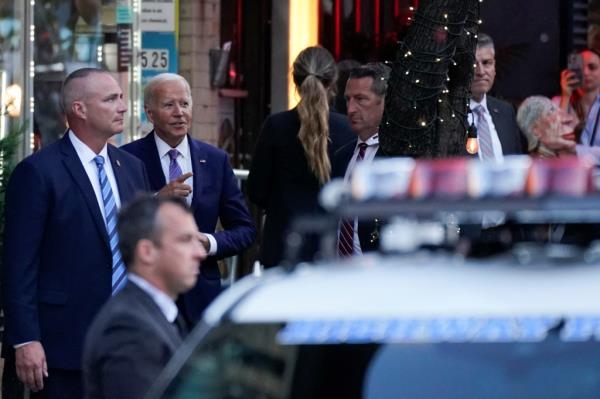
<point>158,23</point>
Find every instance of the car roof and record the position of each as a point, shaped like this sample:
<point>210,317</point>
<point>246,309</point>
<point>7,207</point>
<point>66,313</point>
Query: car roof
<point>418,286</point>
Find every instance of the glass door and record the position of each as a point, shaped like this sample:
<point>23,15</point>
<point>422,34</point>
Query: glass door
<point>72,34</point>
<point>42,41</point>
<point>15,85</point>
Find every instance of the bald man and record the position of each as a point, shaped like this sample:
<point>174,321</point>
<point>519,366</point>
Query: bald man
<point>61,262</point>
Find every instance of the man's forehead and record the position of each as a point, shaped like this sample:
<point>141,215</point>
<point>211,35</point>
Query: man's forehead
<point>103,87</point>
<point>174,216</point>
<point>362,84</point>
<point>485,53</point>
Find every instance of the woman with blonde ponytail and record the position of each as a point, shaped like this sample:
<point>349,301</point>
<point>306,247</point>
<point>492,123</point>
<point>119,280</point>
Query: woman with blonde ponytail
<point>291,161</point>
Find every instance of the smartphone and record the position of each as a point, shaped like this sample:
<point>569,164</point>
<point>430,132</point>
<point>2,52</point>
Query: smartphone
<point>575,64</point>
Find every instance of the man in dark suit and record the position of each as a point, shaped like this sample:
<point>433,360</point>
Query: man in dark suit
<point>61,262</point>
<point>497,129</point>
<point>365,99</point>
<point>180,165</point>
<point>137,331</point>
<point>498,135</point>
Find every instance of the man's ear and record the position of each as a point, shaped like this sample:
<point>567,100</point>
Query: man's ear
<point>149,114</point>
<point>145,251</point>
<point>79,109</point>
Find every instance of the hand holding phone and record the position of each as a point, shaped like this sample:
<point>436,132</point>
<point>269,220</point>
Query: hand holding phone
<point>575,65</point>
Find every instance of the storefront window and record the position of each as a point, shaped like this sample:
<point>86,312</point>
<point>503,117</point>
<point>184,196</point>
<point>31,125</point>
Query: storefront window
<point>12,65</point>
<point>42,41</point>
<point>72,34</point>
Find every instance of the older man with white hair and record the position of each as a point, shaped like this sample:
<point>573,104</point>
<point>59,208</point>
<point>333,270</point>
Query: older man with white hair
<point>189,168</point>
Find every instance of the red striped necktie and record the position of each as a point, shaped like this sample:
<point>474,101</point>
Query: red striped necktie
<point>346,236</point>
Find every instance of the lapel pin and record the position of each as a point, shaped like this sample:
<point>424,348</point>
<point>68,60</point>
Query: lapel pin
<point>202,160</point>
<point>118,163</point>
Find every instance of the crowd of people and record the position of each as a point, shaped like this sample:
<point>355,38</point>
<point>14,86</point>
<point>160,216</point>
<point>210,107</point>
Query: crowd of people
<point>66,254</point>
<point>131,281</point>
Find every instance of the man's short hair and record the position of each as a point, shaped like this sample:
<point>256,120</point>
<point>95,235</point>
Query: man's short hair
<point>138,221</point>
<point>485,40</point>
<point>376,70</point>
<point>66,95</point>
<point>159,79</point>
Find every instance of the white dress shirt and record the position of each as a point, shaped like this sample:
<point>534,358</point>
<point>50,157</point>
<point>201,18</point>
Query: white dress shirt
<point>163,301</point>
<point>489,220</point>
<point>372,147</point>
<point>86,156</point>
<point>184,159</point>
<point>496,145</point>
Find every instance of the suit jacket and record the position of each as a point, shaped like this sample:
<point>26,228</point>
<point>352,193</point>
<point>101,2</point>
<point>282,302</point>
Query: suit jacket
<point>368,230</point>
<point>57,260</point>
<point>127,346</point>
<point>505,121</point>
<point>281,182</point>
<point>216,195</point>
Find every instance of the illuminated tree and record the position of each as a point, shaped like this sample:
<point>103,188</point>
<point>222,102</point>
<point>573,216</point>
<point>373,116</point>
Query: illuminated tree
<point>429,87</point>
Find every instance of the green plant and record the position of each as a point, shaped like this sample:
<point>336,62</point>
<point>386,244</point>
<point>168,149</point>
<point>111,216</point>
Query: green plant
<point>8,149</point>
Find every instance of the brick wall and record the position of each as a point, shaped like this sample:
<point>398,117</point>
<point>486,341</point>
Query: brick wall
<point>199,32</point>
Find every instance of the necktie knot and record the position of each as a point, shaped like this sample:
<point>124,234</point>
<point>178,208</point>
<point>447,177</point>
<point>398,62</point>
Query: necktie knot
<point>173,154</point>
<point>99,159</point>
<point>479,111</point>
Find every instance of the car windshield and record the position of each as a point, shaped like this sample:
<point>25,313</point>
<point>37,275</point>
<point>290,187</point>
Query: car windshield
<point>253,361</point>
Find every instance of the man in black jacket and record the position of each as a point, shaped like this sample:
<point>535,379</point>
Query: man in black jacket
<point>138,330</point>
<point>497,129</point>
<point>365,99</point>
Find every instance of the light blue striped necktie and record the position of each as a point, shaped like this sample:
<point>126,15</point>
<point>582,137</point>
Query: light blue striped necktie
<point>119,277</point>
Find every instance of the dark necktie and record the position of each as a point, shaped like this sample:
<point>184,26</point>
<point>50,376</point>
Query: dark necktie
<point>346,236</point>
<point>180,326</point>
<point>174,168</point>
<point>119,276</point>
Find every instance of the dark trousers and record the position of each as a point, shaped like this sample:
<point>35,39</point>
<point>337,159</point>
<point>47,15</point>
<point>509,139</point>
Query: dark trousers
<point>60,384</point>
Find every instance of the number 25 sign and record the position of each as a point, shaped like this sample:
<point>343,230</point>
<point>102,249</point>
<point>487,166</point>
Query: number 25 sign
<point>155,59</point>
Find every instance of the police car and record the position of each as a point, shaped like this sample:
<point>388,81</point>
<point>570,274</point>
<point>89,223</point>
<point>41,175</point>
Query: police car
<point>424,325</point>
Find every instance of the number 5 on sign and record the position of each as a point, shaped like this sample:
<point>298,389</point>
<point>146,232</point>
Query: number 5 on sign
<point>155,59</point>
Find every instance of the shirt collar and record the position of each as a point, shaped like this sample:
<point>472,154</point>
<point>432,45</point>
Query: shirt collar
<point>164,148</point>
<point>164,302</point>
<point>85,153</point>
<point>373,140</point>
<point>474,104</point>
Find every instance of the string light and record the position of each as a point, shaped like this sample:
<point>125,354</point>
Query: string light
<point>472,145</point>
<point>427,72</point>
